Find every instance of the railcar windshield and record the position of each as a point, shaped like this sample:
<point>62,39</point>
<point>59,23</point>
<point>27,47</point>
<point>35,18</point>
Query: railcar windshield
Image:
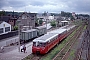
<point>39,44</point>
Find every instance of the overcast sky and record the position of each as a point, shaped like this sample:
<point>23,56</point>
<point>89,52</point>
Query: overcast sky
<point>78,6</point>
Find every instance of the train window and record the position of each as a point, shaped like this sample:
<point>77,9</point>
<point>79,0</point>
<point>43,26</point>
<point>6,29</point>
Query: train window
<point>43,44</point>
<point>34,43</point>
<point>59,35</point>
<point>48,42</point>
<point>39,44</point>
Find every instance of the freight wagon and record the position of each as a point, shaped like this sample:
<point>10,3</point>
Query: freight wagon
<point>41,30</point>
<point>29,34</point>
<point>32,33</point>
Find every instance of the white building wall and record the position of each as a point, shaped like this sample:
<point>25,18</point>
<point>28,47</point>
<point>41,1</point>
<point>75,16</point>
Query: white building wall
<point>4,25</point>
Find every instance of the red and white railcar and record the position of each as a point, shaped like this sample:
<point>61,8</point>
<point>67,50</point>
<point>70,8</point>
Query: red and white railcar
<point>46,42</point>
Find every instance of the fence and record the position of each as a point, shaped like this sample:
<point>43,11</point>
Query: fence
<point>10,34</point>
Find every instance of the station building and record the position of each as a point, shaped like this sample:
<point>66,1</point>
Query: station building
<point>4,27</point>
<point>64,23</point>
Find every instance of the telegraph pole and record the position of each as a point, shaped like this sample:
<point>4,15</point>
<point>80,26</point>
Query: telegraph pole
<point>19,30</point>
<point>46,20</point>
<point>19,35</point>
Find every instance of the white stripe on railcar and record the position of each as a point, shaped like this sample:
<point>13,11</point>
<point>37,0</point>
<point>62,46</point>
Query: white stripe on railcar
<point>45,38</point>
<point>58,31</point>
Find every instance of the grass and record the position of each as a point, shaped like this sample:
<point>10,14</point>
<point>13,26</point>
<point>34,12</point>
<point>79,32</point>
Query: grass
<point>53,53</point>
<point>56,50</point>
<point>28,57</point>
<point>72,55</point>
<point>59,47</point>
<point>78,22</point>
<point>85,27</point>
<point>72,52</point>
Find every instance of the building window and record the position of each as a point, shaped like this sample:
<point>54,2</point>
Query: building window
<point>24,17</point>
<point>1,30</point>
<point>7,29</point>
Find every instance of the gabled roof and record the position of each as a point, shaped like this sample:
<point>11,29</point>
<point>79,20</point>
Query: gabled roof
<point>1,22</point>
<point>32,14</point>
<point>5,18</point>
<point>28,14</point>
<point>25,14</point>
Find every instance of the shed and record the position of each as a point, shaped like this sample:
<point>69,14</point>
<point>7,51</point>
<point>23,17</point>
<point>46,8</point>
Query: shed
<point>64,23</point>
<point>4,27</point>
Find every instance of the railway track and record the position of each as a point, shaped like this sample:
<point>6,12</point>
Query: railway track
<point>71,30</point>
<point>36,57</point>
<point>65,51</point>
<point>80,50</point>
<point>65,57</point>
<point>83,51</point>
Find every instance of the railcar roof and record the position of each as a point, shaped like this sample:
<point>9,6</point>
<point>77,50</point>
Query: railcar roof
<point>70,27</point>
<point>45,38</point>
<point>64,26</point>
<point>58,31</point>
<point>29,30</point>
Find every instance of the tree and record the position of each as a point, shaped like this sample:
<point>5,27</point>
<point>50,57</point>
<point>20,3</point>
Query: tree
<point>53,23</point>
<point>40,22</point>
<point>63,13</point>
<point>66,14</point>
<point>72,18</point>
<point>2,13</point>
<point>36,22</point>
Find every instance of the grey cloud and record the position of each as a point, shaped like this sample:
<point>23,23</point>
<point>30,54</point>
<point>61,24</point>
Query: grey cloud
<point>37,3</point>
<point>12,3</point>
<point>16,3</point>
<point>3,3</point>
<point>72,5</point>
<point>83,6</point>
<point>42,2</point>
<point>79,5</point>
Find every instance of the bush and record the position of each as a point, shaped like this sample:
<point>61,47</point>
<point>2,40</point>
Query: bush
<point>15,27</point>
<point>53,23</point>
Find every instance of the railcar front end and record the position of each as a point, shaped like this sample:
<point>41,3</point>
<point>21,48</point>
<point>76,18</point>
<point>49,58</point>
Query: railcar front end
<point>39,48</point>
<point>44,43</point>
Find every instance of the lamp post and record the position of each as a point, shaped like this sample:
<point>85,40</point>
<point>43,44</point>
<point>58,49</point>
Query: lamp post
<point>46,25</point>
<point>46,20</point>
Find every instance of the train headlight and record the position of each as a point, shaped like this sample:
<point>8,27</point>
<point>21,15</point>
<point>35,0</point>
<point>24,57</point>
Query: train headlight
<point>43,48</point>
